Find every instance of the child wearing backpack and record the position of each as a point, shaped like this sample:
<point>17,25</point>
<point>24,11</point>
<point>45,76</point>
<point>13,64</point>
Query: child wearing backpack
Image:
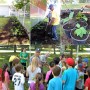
<point>56,82</point>
<point>49,73</point>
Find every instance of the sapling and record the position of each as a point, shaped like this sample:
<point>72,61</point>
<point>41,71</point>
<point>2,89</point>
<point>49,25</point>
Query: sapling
<point>68,18</point>
<point>80,15</point>
<point>80,31</point>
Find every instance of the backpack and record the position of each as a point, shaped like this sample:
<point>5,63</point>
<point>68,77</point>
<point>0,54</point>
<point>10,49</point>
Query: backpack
<point>50,77</point>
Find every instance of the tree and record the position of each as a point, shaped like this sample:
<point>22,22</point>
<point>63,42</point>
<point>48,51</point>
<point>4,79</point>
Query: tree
<point>18,4</point>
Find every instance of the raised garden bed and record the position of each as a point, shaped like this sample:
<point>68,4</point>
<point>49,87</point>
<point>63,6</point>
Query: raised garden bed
<point>41,34</point>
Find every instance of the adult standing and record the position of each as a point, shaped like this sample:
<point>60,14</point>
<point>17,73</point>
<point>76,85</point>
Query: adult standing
<point>42,59</point>
<point>23,57</point>
<point>36,54</point>
<point>57,6</point>
<point>54,20</point>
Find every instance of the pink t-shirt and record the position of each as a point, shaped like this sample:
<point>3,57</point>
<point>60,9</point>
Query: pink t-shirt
<point>48,74</point>
<point>2,84</point>
<point>7,77</point>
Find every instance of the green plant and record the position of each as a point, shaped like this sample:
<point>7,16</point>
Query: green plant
<point>68,18</point>
<point>80,15</point>
<point>80,31</point>
<point>15,27</point>
<point>20,3</point>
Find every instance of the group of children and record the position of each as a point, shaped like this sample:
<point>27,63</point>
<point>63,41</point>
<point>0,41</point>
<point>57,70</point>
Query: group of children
<point>64,74</point>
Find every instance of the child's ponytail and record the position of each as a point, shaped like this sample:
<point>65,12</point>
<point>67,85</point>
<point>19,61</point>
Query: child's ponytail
<point>38,79</point>
<point>3,71</point>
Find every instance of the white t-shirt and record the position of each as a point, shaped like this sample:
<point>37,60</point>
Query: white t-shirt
<point>43,58</point>
<point>19,81</point>
<point>32,74</point>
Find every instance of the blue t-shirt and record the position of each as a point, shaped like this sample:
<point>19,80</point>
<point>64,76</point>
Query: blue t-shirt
<point>70,76</point>
<point>55,84</point>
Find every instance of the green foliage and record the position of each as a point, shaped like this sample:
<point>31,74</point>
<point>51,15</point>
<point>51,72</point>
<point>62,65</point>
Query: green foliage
<point>80,15</point>
<point>16,27</point>
<point>80,31</point>
<point>20,3</point>
<point>68,18</point>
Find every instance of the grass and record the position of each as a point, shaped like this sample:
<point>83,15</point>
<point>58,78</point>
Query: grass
<point>4,58</point>
<point>3,22</point>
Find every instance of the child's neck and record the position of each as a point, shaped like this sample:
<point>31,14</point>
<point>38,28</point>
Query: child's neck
<point>69,66</point>
<point>55,76</point>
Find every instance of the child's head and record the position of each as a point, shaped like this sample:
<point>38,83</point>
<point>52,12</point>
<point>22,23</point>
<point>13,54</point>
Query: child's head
<point>5,67</point>
<point>15,61</point>
<point>85,62</point>
<point>88,71</point>
<point>18,68</point>
<point>51,64</point>
<point>63,63</point>
<point>80,66</point>
<point>35,61</point>
<point>38,78</point>
<point>70,62</point>
<point>62,57</point>
<point>56,60</point>
<point>56,71</point>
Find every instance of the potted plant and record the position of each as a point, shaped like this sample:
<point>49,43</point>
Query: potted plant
<point>81,19</point>
<point>79,35</point>
<point>68,24</point>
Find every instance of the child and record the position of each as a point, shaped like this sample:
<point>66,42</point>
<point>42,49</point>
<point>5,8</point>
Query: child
<point>5,77</point>
<point>55,83</point>
<point>78,61</point>
<point>64,67</point>
<point>33,69</point>
<point>14,62</point>
<point>80,82</point>
<point>56,61</point>
<point>23,57</point>
<point>87,82</point>
<point>38,84</point>
<point>0,79</point>
<point>85,65</point>
<point>49,73</point>
<point>70,75</point>
<point>18,78</point>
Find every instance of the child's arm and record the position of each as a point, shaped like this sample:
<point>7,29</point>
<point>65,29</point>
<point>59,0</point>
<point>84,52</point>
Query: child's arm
<point>27,74</point>
<point>23,79</point>
<point>86,88</point>
<point>29,88</point>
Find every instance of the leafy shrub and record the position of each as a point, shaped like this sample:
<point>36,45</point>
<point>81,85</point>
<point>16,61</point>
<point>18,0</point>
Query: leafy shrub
<point>80,31</point>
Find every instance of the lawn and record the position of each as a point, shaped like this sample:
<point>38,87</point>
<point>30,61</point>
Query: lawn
<point>3,22</point>
<point>4,57</point>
